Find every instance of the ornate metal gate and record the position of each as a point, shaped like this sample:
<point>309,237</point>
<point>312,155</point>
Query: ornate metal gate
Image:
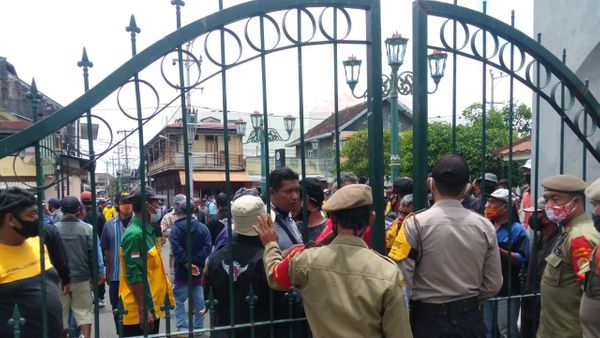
<point>277,14</point>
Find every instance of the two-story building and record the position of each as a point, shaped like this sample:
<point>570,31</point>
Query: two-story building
<point>62,168</point>
<point>166,162</point>
<point>319,141</point>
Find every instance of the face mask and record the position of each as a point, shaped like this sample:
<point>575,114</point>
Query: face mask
<point>536,224</point>
<point>492,213</point>
<point>558,213</point>
<point>155,217</point>
<point>596,219</point>
<point>527,178</point>
<point>29,228</point>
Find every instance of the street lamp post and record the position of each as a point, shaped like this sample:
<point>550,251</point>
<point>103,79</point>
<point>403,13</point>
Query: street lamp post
<point>396,84</point>
<point>258,135</point>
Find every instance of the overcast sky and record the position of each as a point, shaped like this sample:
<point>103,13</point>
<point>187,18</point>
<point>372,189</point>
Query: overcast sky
<point>44,39</point>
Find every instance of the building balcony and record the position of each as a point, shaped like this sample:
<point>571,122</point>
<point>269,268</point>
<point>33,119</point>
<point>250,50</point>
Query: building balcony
<point>200,161</point>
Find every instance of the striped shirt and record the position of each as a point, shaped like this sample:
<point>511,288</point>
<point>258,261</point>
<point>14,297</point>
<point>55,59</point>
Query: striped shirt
<point>112,236</point>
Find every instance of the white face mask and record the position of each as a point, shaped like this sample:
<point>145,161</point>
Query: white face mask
<point>155,217</point>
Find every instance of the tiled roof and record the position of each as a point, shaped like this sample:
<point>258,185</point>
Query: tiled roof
<point>14,125</point>
<point>521,146</point>
<point>328,125</point>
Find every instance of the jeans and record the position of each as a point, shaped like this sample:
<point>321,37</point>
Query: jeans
<point>503,326</point>
<point>181,295</point>
<point>113,295</point>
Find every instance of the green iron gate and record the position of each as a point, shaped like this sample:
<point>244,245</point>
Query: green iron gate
<point>470,35</point>
<point>290,35</point>
<point>506,41</point>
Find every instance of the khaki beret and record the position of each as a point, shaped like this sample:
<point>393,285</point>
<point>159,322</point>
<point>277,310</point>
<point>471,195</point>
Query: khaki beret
<point>564,183</point>
<point>593,191</point>
<point>348,197</point>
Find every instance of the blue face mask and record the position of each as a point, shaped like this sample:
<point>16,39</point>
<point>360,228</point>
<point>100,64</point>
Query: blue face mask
<point>156,216</point>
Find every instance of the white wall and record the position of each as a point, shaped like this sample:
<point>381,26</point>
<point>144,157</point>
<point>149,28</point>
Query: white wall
<point>569,24</point>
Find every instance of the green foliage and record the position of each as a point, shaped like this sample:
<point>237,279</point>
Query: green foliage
<point>468,142</point>
<point>356,153</point>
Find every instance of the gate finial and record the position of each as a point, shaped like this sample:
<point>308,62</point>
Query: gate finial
<point>133,28</point>
<point>85,61</point>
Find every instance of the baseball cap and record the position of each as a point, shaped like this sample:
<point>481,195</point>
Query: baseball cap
<point>86,196</point>
<point>527,164</point>
<point>349,196</point>
<point>451,169</point>
<point>122,197</point>
<point>70,205</point>
<point>245,211</point>
<point>54,202</point>
<point>136,193</point>
<point>502,194</point>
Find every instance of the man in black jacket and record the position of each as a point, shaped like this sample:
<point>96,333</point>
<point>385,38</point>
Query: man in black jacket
<point>217,222</point>
<point>245,268</point>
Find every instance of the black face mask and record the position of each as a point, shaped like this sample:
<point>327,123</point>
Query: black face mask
<point>596,219</point>
<point>29,228</point>
<point>527,179</point>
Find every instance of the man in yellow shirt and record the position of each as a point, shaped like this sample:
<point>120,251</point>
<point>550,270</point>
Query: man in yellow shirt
<point>20,266</point>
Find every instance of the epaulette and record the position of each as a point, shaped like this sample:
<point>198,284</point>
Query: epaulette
<point>385,257</point>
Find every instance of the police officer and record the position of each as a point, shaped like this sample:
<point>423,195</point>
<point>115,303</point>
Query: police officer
<point>347,289</point>
<point>560,289</point>
<point>449,257</point>
<point>590,302</point>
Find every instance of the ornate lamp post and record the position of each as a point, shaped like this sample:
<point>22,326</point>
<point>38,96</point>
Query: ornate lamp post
<point>396,84</point>
<point>258,136</point>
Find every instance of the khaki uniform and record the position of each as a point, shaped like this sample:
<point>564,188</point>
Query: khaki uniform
<point>561,282</point>
<point>347,289</point>
<point>457,251</point>
<point>590,302</point>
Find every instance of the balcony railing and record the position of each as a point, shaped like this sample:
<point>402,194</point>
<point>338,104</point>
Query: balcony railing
<point>200,161</point>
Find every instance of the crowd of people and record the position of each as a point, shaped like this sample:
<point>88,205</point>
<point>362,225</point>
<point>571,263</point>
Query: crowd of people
<point>471,264</point>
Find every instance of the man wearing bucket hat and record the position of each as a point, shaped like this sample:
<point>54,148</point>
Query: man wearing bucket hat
<point>560,288</point>
<point>244,268</point>
<point>139,284</point>
<point>590,302</point>
<point>347,289</point>
<point>547,235</point>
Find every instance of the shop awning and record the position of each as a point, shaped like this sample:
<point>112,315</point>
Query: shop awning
<point>216,176</point>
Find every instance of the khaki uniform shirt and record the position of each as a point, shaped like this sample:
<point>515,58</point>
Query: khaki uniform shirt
<point>348,290</point>
<point>561,282</point>
<point>450,253</point>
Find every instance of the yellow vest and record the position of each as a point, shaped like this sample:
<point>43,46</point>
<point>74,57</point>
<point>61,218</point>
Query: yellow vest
<point>160,287</point>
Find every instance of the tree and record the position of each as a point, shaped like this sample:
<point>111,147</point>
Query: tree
<point>355,153</point>
<point>469,137</point>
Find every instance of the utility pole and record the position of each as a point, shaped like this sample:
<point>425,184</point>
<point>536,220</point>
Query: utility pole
<point>494,77</point>
<point>126,134</point>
